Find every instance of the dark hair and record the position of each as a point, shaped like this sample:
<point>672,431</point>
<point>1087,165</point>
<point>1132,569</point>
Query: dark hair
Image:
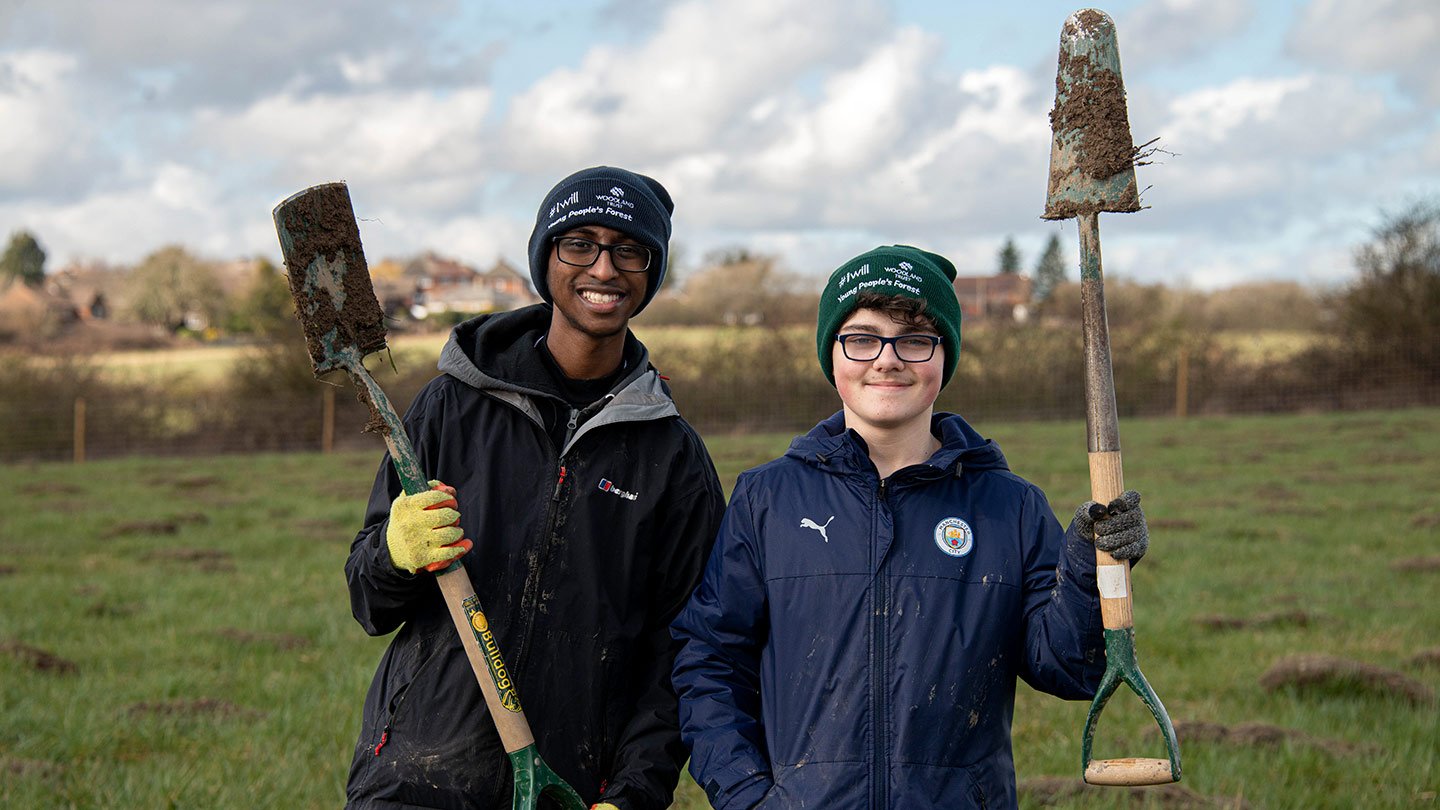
<point>902,309</point>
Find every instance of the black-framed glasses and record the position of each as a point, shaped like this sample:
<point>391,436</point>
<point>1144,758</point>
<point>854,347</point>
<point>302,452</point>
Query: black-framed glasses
<point>863,347</point>
<point>580,252</point>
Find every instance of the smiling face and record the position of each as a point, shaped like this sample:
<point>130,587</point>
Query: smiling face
<point>593,304</point>
<point>886,394</point>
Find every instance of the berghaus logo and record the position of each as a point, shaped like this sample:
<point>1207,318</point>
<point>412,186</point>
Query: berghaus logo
<point>606,485</point>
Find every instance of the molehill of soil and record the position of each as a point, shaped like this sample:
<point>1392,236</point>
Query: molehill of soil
<point>1056,791</point>
<point>1417,564</point>
<point>204,559</point>
<point>1294,618</point>
<point>1425,659</point>
<point>169,525</point>
<point>1259,735</point>
<point>38,659</point>
<point>38,769</point>
<point>112,610</point>
<point>1314,673</point>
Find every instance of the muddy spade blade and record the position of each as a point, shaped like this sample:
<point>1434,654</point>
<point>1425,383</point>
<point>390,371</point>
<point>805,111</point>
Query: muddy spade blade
<point>1092,157</point>
<point>343,323</point>
<point>329,280</point>
<point>1092,170</point>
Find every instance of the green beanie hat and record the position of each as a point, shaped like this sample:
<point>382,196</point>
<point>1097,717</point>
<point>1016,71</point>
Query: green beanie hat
<point>896,270</point>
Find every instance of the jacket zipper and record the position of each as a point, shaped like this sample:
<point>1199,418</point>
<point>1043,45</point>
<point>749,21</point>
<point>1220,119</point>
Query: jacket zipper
<point>526,608</point>
<point>879,658</point>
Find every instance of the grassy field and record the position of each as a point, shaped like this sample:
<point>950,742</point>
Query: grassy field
<point>176,633</point>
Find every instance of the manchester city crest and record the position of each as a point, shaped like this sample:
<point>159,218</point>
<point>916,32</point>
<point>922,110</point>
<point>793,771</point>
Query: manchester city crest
<point>954,537</point>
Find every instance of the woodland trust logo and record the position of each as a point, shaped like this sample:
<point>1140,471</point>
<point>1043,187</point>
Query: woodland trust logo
<point>616,197</point>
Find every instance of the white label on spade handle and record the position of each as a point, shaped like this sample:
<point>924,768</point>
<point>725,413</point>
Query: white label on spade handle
<point>1111,581</point>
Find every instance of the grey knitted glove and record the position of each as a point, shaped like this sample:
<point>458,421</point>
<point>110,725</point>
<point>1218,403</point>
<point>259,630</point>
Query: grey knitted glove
<point>1118,528</point>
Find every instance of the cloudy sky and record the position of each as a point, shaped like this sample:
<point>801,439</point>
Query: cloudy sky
<point>811,130</point>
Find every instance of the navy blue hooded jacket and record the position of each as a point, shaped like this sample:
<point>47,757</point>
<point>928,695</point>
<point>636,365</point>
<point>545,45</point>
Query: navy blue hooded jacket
<point>584,552</point>
<point>854,643</point>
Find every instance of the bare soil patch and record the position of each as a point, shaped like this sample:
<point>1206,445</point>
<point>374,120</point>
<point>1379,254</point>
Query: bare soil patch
<point>1056,791</point>
<point>1417,564</point>
<point>6,570</point>
<point>1323,674</point>
<point>36,768</point>
<point>1271,491</point>
<point>38,659</point>
<point>205,559</point>
<point>209,708</point>
<point>321,529</point>
<point>169,525</point>
<point>112,610</point>
<point>1426,521</point>
<point>1260,735</point>
<point>198,482</point>
<point>1292,618</point>
<point>1425,659</point>
<point>1172,523</point>
<point>141,527</point>
<point>280,641</point>
<point>50,489</point>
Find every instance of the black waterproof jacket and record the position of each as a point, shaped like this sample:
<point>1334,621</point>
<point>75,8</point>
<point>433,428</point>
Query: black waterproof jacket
<point>583,555</point>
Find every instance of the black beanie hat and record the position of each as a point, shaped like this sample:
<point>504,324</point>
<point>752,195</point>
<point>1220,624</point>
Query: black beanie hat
<point>615,198</point>
<point>897,270</point>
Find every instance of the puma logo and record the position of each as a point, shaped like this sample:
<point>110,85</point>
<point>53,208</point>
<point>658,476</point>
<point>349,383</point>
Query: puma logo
<point>807,523</point>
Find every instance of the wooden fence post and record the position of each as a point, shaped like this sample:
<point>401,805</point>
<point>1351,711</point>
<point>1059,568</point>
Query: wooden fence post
<point>327,423</point>
<point>1182,384</point>
<point>79,435</point>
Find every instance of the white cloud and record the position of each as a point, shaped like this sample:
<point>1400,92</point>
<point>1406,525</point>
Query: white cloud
<point>40,133</point>
<point>695,83</point>
<point>425,149</point>
<point>1381,36</point>
<point>1170,31</point>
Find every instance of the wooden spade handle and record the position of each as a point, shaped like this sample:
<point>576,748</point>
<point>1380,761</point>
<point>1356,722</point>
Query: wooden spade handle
<point>1102,422</point>
<point>1112,576</point>
<point>496,686</point>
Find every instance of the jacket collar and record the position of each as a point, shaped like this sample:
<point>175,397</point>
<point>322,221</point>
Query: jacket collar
<point>832,447</point>
<point>497,354</point>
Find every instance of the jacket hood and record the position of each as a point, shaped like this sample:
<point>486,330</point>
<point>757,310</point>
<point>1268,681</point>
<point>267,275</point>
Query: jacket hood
<point>834,448</point>
<point>499,354</point>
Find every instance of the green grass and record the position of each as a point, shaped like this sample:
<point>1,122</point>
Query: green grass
<point>1308,516</point>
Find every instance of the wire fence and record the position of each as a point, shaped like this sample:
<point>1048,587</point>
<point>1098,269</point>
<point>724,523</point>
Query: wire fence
<point>329,418</point>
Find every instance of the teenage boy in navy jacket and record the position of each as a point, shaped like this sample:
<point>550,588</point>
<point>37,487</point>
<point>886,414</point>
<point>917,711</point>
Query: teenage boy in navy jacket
<point>875,592</point>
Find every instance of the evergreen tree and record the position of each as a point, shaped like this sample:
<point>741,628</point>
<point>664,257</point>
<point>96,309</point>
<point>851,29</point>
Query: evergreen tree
<point>1050,270</point>
<point>23,259</point>
<point>1009,257</point>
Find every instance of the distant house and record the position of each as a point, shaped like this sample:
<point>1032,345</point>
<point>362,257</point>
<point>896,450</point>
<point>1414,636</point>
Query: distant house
<point>1001,296</point>
<point>432,284</point>
<point>27,311</point>
<point>89,288</point>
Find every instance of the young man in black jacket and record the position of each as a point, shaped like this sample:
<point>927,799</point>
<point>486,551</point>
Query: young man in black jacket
<point>592,506</point>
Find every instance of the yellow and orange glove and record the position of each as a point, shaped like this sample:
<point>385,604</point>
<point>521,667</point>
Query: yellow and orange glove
<point>603,806</point>
<point>424,530</point>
